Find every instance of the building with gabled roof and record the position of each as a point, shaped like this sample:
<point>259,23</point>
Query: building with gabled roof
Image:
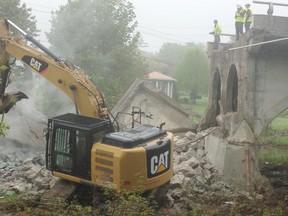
<point>162,82</point>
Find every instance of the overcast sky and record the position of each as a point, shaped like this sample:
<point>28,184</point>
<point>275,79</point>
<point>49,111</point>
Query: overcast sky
<point>176,21</point>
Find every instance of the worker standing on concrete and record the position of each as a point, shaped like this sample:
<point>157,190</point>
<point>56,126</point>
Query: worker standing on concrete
<point>216,32</point>
<point>239,21</point>
<point>248,17</point>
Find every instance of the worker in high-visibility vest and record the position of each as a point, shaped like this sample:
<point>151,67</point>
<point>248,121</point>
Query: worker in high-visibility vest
<point>248,17</point>
<point>239,21</point>
<point>216,32</point>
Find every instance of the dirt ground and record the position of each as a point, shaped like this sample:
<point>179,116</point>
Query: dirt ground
<point>273,202</point>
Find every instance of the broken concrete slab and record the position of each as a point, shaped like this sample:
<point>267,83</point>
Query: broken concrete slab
<point>155,106</point>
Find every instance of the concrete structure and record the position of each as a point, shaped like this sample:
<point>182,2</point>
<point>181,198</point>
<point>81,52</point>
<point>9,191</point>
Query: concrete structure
<point>248,89</point>
<point>162,82</point>
<point>154,106</point>
<point>250,83</point>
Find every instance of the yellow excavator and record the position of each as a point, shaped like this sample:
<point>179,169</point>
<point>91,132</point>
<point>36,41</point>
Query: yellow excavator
<point>83,147</point>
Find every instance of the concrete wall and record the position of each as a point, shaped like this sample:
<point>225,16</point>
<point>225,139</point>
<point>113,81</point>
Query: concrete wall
<point>236,163</point>
<point>275,24</point>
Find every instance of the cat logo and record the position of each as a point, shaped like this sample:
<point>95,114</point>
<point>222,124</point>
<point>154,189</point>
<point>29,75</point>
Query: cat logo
<point>159,163</point>
<point>158,158</point>
<point>35,63</point>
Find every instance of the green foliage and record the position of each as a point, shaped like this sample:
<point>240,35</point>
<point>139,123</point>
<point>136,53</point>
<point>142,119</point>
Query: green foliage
<point>276,131</point>
<point>11,198</point>
<point>3,128</point>
<point>78,210</point>
<point>169,58</point>
<point>17,202</point>
<point>18,13</point>
<point>196,110</point>
<point>175,53</point>
<point>274,140</point>
<point>129,203</point>
<point>278,211</point>
<point>279,124</point>
<point>99,36</point>
<point>192,75</point>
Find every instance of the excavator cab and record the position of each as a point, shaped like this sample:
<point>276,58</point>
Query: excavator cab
<point>69,141</point>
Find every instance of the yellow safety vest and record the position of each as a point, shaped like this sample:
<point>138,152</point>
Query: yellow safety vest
<point>248,13</point>
<point>217,29</point>
<point>239,15</point>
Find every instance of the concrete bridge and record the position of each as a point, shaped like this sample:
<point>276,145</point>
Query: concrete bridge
<point>248,89</point>
<point>250,82</point>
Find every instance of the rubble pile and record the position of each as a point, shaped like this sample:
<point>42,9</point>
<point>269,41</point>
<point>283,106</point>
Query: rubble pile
<point>193,173</point>
<point>29,175</point>
<point>25,171</point>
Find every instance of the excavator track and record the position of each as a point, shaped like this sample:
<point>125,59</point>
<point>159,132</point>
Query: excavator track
<point>62,190</point>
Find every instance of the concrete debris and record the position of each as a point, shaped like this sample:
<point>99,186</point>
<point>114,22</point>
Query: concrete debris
<point>29,175</point>
<point>155,106</point>
<point>193,173</point>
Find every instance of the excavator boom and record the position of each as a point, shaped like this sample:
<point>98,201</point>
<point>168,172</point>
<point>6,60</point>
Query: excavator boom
<point>77,86</point>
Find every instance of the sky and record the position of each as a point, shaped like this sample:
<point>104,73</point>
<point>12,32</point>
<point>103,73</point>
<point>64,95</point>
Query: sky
<point>174,21</point>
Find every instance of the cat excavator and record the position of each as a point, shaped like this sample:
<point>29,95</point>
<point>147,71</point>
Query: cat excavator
<point>83,147</point>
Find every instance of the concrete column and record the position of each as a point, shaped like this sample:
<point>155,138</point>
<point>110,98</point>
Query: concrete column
<point>171,89</point>
<point>168,89</point>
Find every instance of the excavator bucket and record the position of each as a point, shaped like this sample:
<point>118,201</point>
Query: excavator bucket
<point>8,100</point>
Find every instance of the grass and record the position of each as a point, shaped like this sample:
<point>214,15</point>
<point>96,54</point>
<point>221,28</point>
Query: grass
<point>279,124</point>
<point>276,132</point>
<point>107,202</point>
<point>275,141</point>
<point>196,110</point>
<point>272,155</point>
<point>200,106</point>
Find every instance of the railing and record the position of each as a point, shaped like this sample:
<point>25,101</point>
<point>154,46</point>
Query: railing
<point>271,6</point>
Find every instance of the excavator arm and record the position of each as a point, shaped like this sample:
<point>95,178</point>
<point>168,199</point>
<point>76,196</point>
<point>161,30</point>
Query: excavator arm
<point>67,77</point>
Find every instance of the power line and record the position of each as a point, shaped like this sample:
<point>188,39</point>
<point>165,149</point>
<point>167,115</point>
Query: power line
<point>164,35</point>
<point>41,11</point>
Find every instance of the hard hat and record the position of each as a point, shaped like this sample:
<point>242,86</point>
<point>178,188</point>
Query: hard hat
<point>247,4</point>
<point>238,6</point>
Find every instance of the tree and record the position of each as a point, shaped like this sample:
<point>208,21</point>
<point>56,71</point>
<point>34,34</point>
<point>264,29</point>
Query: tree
<point>192,75</point>
<point>169,57</point>
<point>20,15</point>
<point>174,52</point>
<point>99,36</point>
